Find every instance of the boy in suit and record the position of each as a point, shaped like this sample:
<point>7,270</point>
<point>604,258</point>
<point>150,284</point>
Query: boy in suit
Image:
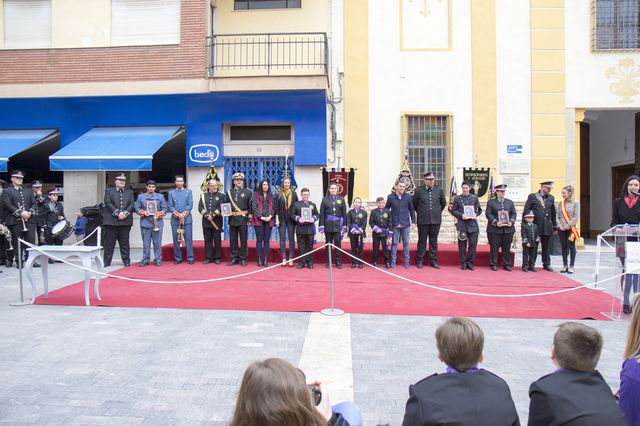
<point>465,394</point>
<point>530,240</point>
<point>575,394</point>
<point>381,224</point>
<point>305,228</point>
<point>357,224</point>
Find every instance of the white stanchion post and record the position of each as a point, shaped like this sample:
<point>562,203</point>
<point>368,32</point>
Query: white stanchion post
<point>332,311</point>
<point>19,262</point>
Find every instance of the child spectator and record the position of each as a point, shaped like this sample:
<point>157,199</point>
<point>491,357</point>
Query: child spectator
<point>530,240</point>
<point>80,228</point>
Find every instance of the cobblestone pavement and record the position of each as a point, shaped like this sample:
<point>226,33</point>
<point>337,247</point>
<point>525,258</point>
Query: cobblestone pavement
<point>78,365</point>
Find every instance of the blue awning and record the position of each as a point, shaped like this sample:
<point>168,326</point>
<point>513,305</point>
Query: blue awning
<point>114,148</point>
<point>13,142</point>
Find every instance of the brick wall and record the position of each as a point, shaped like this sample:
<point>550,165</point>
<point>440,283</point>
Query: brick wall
<point>188,60</point>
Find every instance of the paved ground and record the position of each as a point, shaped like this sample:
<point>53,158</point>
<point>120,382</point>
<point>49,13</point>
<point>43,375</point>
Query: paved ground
<point>77,365</point>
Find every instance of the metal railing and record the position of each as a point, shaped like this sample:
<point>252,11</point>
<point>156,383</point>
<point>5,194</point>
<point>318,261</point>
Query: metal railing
<point>268,54</point>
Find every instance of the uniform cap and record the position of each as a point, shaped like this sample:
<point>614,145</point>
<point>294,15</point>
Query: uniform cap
<point>55,190</point>
<point>121,176</point>
<point>429,175</point>
<point>237,176</point>
<point>530,214</point>
<point>500,187</point>
<point>17,173</point>
<point>36,184</point>
<point>548,183</point>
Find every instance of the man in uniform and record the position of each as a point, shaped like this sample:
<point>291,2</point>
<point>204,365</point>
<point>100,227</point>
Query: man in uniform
<point>117,219</point>
<point>428,202</point>
<point>543,206</point>
<point>4,241</point>
<point>333,221</point>
<point>151,207</point>
<point>39,202</point>
<point>499,233</point>
<point>240,200</point>
<point>305,229</point>
<point>209,207</point>
<point>180,205</point>
<point>467,225</point>
<point>20,220</point>
<point>52,213</point>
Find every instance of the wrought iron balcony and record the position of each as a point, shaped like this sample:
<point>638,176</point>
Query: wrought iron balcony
<point>267,54</point>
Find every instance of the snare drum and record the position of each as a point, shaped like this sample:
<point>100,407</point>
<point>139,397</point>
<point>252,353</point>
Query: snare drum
<point>62,230</point>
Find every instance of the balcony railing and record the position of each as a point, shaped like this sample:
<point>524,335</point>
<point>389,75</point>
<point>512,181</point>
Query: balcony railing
<point>267,54</point>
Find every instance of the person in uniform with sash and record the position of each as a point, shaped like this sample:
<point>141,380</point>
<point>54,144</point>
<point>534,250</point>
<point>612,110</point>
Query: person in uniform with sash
<point>240,200</point>
<point>53,212</point>
<point>151,207</point>
<point>285,200</point>
<point>180,205</point>
<point>21,216</point>
<point>501,219</point>
<point>209,207</point>
<point>39,205</point>
<point>466,208</point>
<point>381,222</point>
<point>543,206</point>
<point>568,214</point>
<point>428,202</point>
<point>357,224</point>
<point>263,207</point>
<point>530,239</point>
<point>333,221</point>
<point>305,227</point>
<point>117,219</point>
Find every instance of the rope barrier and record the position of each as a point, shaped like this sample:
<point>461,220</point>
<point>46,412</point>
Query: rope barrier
<point>86,237</point>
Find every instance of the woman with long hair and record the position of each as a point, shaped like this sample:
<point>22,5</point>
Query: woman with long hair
<point>626,210</point>
<point>567,215</point>
<point>286,198</point>
<point>629,392</point>
<point>263,205</point>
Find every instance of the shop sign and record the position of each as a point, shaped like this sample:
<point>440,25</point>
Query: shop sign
<point>203,153</point>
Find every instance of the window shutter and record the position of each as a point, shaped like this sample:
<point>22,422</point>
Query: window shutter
<point>27,24</point>
<point>145,22</point>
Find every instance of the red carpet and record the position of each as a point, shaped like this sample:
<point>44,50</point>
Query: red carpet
<point>356,291</point>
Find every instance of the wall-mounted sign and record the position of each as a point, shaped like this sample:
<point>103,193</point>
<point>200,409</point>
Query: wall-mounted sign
<point>514,149</point>
<point>203,153</point>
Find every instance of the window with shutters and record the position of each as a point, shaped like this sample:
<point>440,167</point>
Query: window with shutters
<point>27,24</point>
<point>428,139</point>
<point>145,22</point>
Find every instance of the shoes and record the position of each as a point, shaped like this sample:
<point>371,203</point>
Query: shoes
<point>393,266</point>
<point>494,267</point>
<point>564,269</point>
<point>207,261</point>
<point>233,262</point>
<point>419,265</point>
<point>470,267</point>
<point>284,263</point>
<point>144,263</point>
<point>375,264</point>
<point>218,261</point>
<point>360,265</point>
<point>290,263</point>
<point>310,265</point>
<point>35,264</point>
<point>525,269</point>
<point>434,264</point>
<point>177,262</point>
<point>532,269</point>
<point>190,261</point>
<point>106,264</point>
<point>570,270</point>
<point>338,265</point>
<point>265,263</point>
<point>157,262</point>
<point>387,265</point>
<point>547,268</point>
<point>9,263</point>
<point>259,262</point>
<point>463,266</point>
<point>300,265</point>
<point>126,264</point>
<point>51,262</point>
<point>507,268</point>
<point>243,263</point>
<point>626,309</point>
<point>353,265</point>
<point>58,261</point>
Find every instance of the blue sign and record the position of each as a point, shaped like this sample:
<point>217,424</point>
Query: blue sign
<point>514,149</point>
<point>203,153</point>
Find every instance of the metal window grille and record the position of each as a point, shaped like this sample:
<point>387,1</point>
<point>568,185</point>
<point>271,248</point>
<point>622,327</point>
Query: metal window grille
<point>266,4</point>
<point>427,140</point>
<point>616,24</point>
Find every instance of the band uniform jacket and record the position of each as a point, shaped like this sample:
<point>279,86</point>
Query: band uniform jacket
<point>529,234</point>
<point>240,206</point>
<point>304,228</point>
<point>141,204</point>
<point>360,219</point>
<point>115,202</point>
<point>457,209</point>
<point>3,211</point>
<point>545,216</point>
<point>478,398</point>
<point>52,211</point>
<point>382,219</point>
<point>209,204</point>
<point>338,208</point>
<point>576,398</point>
<point>494,206</point>
<point>429,204</point>
<point>16,201</point>
<point>40,205</point>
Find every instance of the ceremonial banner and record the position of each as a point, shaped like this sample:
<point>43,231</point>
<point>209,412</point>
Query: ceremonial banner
<point>478,179</point>
<point>342,180</point>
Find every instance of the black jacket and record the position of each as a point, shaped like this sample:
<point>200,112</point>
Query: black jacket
<point>493,207</point>
<point>3,212</point>
<point>457,209</point>
<point>304,228</point>
<point>240,202</point>
<point>16,201</point>
<point>40,206</point>
<point>429,204</point>
<point>477,398</point>
<point>529,234</point>
<point>382,219</point>
<point>51,212</point>
<point>573,398</point>
<point>282,211</point>
<point>359,219</point>
<point>116,202</point>
<point>338,208</point>
<point>209,204</point>
<point>545,216</point>
<point>622,214</point>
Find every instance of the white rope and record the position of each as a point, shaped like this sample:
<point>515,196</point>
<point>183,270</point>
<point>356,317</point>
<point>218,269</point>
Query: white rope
<point>82,240</point>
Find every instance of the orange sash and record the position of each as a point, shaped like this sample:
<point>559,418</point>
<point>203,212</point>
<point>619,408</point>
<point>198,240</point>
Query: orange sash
<point>575,234</point>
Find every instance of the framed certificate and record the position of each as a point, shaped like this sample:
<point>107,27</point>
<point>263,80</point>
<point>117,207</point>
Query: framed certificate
<point>225,209</point>
<point>152,207</point>
<point>470,212</point>
<point>306,214</point>
<point>503,217</point>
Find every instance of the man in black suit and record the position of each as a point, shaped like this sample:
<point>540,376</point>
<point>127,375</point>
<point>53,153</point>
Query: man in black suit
<point>333,221</point>
<point>465,394</point>
<point>467,225</point>
<point>575,394</point>
<point>21,216</point>
<point>428,202</point>
<point>543,206</point>
<point>117,219</point>
<point>501,219</point>
<point>209,207</point>
<point>305,228</point>
<point>240,200</point>
<point>4,239</point>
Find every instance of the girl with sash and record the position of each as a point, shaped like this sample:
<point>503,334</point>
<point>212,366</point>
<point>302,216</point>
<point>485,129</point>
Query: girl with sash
<point>285,200</point>
<point>568,214</point>
<point>263,206</point>
<point>357,223</point>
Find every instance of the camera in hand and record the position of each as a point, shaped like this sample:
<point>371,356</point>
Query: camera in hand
<point>316,394</point>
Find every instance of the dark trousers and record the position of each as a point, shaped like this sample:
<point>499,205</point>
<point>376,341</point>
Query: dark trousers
<point>49,240</point>
<point>500,242</point>
<point>529,255</point>
<point>305,245</point>
<point>546,240</point>
<point>567,247</point>
<point>263,238</point>
<point>286,231</point>
<point>29,236</point>
<point>380,241</point>
<point>356,246</point>
<point>212,242</point>
<point>41,235</point>
<point>4,248</point>
<point>236,232</point>
<point>429,232</point>
<point>467,248</point>
<point>121,235</point>
<point>333,237</point>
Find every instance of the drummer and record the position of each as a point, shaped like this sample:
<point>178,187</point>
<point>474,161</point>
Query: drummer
<point>53,214</point>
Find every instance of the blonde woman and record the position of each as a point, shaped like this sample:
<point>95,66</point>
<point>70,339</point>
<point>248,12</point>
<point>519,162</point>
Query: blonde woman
<point>567,215</point>
<point>629,393</point>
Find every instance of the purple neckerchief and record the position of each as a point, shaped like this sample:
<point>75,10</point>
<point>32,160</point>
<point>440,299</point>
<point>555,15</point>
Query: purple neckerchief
<point>559,370</point>
<point>466,370</point>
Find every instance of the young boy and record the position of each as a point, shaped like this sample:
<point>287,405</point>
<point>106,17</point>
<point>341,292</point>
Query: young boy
<point>530,240</point>
<point>305,228</point>
<point>575,393</point>
<point>80,228</point>
<point>465,394</point>
<point>380,222</point>
<point>357,224</point>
